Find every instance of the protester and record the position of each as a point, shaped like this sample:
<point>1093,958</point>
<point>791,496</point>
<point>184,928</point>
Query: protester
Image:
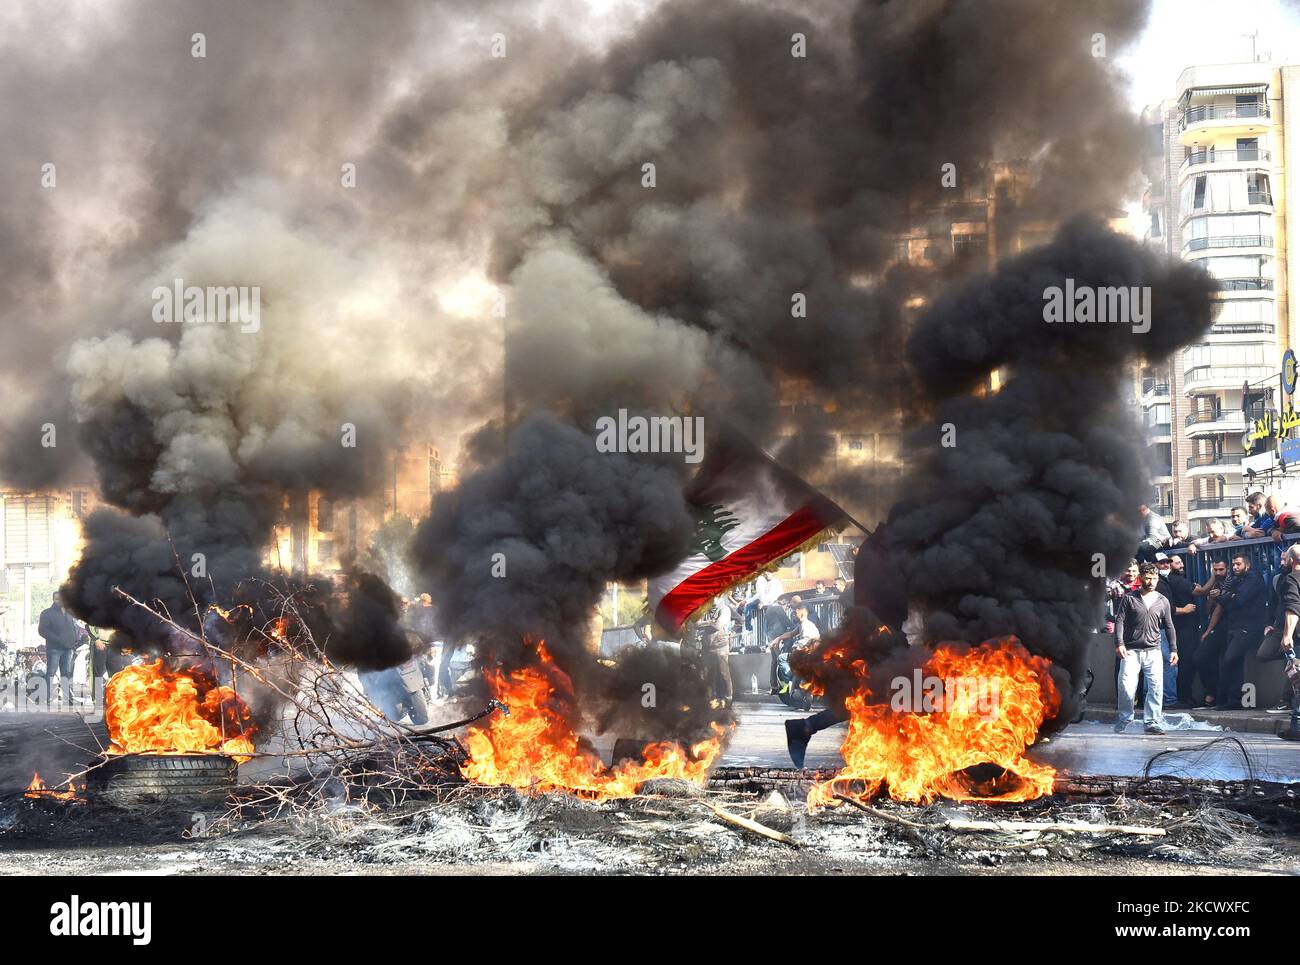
<point>1177,589</point>
<point>767,590</point>
<point>844,591</point>
<point>1280,633</point>
<point>1216,534</point>
<point>1242,607</point>
<point>1143,616</point>
<point>1212,639</point>
<point>1177,536</point>
<point>1155,534</point>
<point>62,635</point>
<point>805,632</point>
<point>1288,522</point>
<point>1262,520</point>
<point>706,651</point>
<point>1240,519</point>
<point>787,624</point>
<point>1115,590</point>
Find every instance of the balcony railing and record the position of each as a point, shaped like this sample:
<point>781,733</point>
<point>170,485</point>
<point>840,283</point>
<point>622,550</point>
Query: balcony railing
<point>1209,112</point>
<point>1152,387</point>
<point>1229,241</point>
<point>1226,503</point>
<point>1155,429</point>
<point>1229,375</point>
<point>1209,415</point>
<point>1241,155</point>
<point>1246,284</point>
<point>1243,328</point>
<point>1261,198</point>
<point>1202,460</point>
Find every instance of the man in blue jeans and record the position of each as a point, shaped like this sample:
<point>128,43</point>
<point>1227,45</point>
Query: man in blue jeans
<point>1143,617</point>
<point>62,635</point>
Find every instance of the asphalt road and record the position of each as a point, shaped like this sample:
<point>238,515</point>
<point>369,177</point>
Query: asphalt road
<point>1086,748</point>
<point>55,742</point>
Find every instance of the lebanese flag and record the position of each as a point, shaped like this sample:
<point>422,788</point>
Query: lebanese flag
<point>749,512</point>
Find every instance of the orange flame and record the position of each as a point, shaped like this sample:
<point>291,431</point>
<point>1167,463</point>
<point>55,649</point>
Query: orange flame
<point>533,748</point>
<point>991,716</point>
<point>39,789</point>
<point>152,710</point>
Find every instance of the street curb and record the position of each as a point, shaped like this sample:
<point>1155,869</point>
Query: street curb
<point>1241,721</point>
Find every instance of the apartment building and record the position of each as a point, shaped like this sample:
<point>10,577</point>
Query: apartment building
<point>1217,195</point>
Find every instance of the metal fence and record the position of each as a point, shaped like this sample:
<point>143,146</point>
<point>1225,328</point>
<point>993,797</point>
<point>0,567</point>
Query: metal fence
<point>825,611</point>
<point>1265,555</point>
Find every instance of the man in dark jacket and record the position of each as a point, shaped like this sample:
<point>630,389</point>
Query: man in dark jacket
<point>1143,616</point>
<point>1211,641</point>
<point>1244,606</point>
<point>62,636</point>
<point>1175,588</point>
<point>1279,635</point>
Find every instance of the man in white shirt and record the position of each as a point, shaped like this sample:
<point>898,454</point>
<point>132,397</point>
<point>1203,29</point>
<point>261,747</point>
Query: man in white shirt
<point>767,590</point>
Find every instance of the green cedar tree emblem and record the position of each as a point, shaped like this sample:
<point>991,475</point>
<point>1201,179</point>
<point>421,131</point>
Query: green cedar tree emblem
<point>712,521</point>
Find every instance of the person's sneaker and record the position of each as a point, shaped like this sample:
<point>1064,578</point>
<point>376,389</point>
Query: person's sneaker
<point>1154,729</point>
<point>796,740</point>
<point>1283,708</point>
<point>1290,734</point>
<point>1119,728</point>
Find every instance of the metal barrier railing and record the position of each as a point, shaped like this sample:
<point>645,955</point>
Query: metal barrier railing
<point>1265,555</point>
<point>824,611</point>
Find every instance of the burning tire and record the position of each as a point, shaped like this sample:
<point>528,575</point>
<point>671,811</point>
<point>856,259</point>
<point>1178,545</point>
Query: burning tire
<point>145,780</point>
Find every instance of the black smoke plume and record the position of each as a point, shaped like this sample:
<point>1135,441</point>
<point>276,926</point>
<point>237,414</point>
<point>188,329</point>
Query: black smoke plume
<point>1006,530</point>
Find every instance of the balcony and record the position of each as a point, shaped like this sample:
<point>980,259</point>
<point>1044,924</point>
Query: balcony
<point>1255,200</point>
<point>1150,387</point>
<point>1209,423</point>
<point>1229,241</point>
<point>1208,378</point>
<point>1245,284</point>
<point>1228,158</point>
<point>1211,463</point>
<point>1243,328</point>
<point>1213,505</point>
<point>1201,126</point>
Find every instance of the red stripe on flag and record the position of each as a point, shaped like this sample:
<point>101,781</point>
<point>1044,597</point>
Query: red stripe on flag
<point>698,588</point>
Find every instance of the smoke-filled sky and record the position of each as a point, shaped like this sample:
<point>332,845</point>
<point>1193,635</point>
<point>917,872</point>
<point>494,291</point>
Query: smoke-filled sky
<point>389,176</point>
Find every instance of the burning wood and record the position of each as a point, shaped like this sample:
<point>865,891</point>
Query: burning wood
<point>39,790</point>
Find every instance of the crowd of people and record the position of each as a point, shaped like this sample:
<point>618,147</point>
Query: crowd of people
<point>1261,516</point>
<point>78,663</point>
<point>1169,631</point>
<point>756,617</point>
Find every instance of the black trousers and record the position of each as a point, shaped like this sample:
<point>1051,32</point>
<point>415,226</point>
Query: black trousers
<point>1232,665</point>
<point>1189,645</point>
<point>826,718</point>
<point>1208,656</point>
